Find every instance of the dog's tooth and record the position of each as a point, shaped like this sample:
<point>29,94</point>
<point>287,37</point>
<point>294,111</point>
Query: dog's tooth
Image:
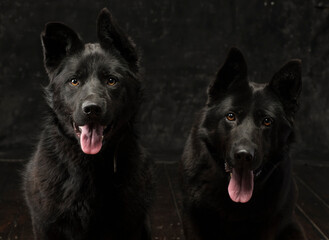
<point>258,173</point>
<point>227,167</point>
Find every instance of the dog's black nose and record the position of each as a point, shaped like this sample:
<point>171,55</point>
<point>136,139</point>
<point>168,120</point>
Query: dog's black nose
<point>243,156</point>
<point>91,109</point>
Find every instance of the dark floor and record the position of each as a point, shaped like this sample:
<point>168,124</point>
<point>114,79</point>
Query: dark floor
<point>312,208</point>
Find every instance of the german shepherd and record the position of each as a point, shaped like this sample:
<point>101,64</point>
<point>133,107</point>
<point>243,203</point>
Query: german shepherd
<point>89,177</point>
<point>237,177</point>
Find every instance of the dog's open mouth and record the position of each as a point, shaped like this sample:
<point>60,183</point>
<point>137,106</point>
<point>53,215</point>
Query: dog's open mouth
<point>90,136</point>
<point>241,183</point>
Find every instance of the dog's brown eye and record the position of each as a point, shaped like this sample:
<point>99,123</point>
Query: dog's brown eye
<point>230,116</point>
<point>267,121</point>
<point>74,82</point>
<point>111,81</point>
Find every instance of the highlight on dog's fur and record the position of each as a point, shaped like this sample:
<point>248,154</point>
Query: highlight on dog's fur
<point>237,177</point>
<point>89,177</point>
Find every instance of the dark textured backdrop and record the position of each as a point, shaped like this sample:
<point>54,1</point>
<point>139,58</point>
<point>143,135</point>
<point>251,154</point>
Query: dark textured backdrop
<point>183,44</point>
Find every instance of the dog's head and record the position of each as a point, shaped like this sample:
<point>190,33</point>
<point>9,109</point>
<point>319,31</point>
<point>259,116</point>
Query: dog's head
<point>94,88</point>
<point>248,124</point>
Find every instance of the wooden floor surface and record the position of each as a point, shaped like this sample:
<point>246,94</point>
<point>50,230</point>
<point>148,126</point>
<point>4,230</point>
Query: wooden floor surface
<point>166,219</point>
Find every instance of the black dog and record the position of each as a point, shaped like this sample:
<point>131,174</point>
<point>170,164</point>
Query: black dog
<point>236,169</point>
<point>89,177</point>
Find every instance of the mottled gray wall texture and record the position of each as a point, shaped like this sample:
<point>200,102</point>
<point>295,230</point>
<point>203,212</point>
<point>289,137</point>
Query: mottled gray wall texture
<point>183,43</point>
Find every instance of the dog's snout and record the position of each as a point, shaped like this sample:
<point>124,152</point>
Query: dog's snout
<point>91,109</point>
<point>243,155</point>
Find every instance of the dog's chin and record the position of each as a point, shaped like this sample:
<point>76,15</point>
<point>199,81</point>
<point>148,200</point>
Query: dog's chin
<point>91,136</point>
<point>241,183</point>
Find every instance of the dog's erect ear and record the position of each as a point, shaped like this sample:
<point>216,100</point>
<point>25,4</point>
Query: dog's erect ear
<point>112,37</point>
<point>58,41</point>
<point>287,82</point>
<point>233,71</point>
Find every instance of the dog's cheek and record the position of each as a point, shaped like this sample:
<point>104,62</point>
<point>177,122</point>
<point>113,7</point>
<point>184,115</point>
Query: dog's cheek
<point>263,146</point>
<point>285,135</point>
<point>286,132</point>
<point>69,97</point>
<point>224,136</point>
<point>232,134</point>
<point>125,103</point>
<point>58,100</point>
<point>271,144</point>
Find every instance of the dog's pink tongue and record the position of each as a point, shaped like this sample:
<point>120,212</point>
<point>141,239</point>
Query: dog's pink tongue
<point>241,185</point>
<point>91,138</point>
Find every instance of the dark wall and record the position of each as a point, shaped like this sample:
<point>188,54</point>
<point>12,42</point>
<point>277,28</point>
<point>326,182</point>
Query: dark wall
<point>183,43</point>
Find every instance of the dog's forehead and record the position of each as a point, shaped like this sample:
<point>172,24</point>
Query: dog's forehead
<point>95,56</point>
<point>92,59</point>
<point>263,100</point>
<point>226,104</point>
<point>94,52</point>
<point>240,97</point>
<point>253,98</point>
<point>92,48</point>
<point>256,87</point>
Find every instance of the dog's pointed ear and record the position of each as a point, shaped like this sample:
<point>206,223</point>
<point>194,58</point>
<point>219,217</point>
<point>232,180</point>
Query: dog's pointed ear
<point>287,83</point>
<point>111,37</point>
<point>233,71</point>
<point>58,41</point>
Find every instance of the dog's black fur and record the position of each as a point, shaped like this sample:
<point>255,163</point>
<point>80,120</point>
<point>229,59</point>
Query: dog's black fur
<point>89,178</point>
<point>237,177</point>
